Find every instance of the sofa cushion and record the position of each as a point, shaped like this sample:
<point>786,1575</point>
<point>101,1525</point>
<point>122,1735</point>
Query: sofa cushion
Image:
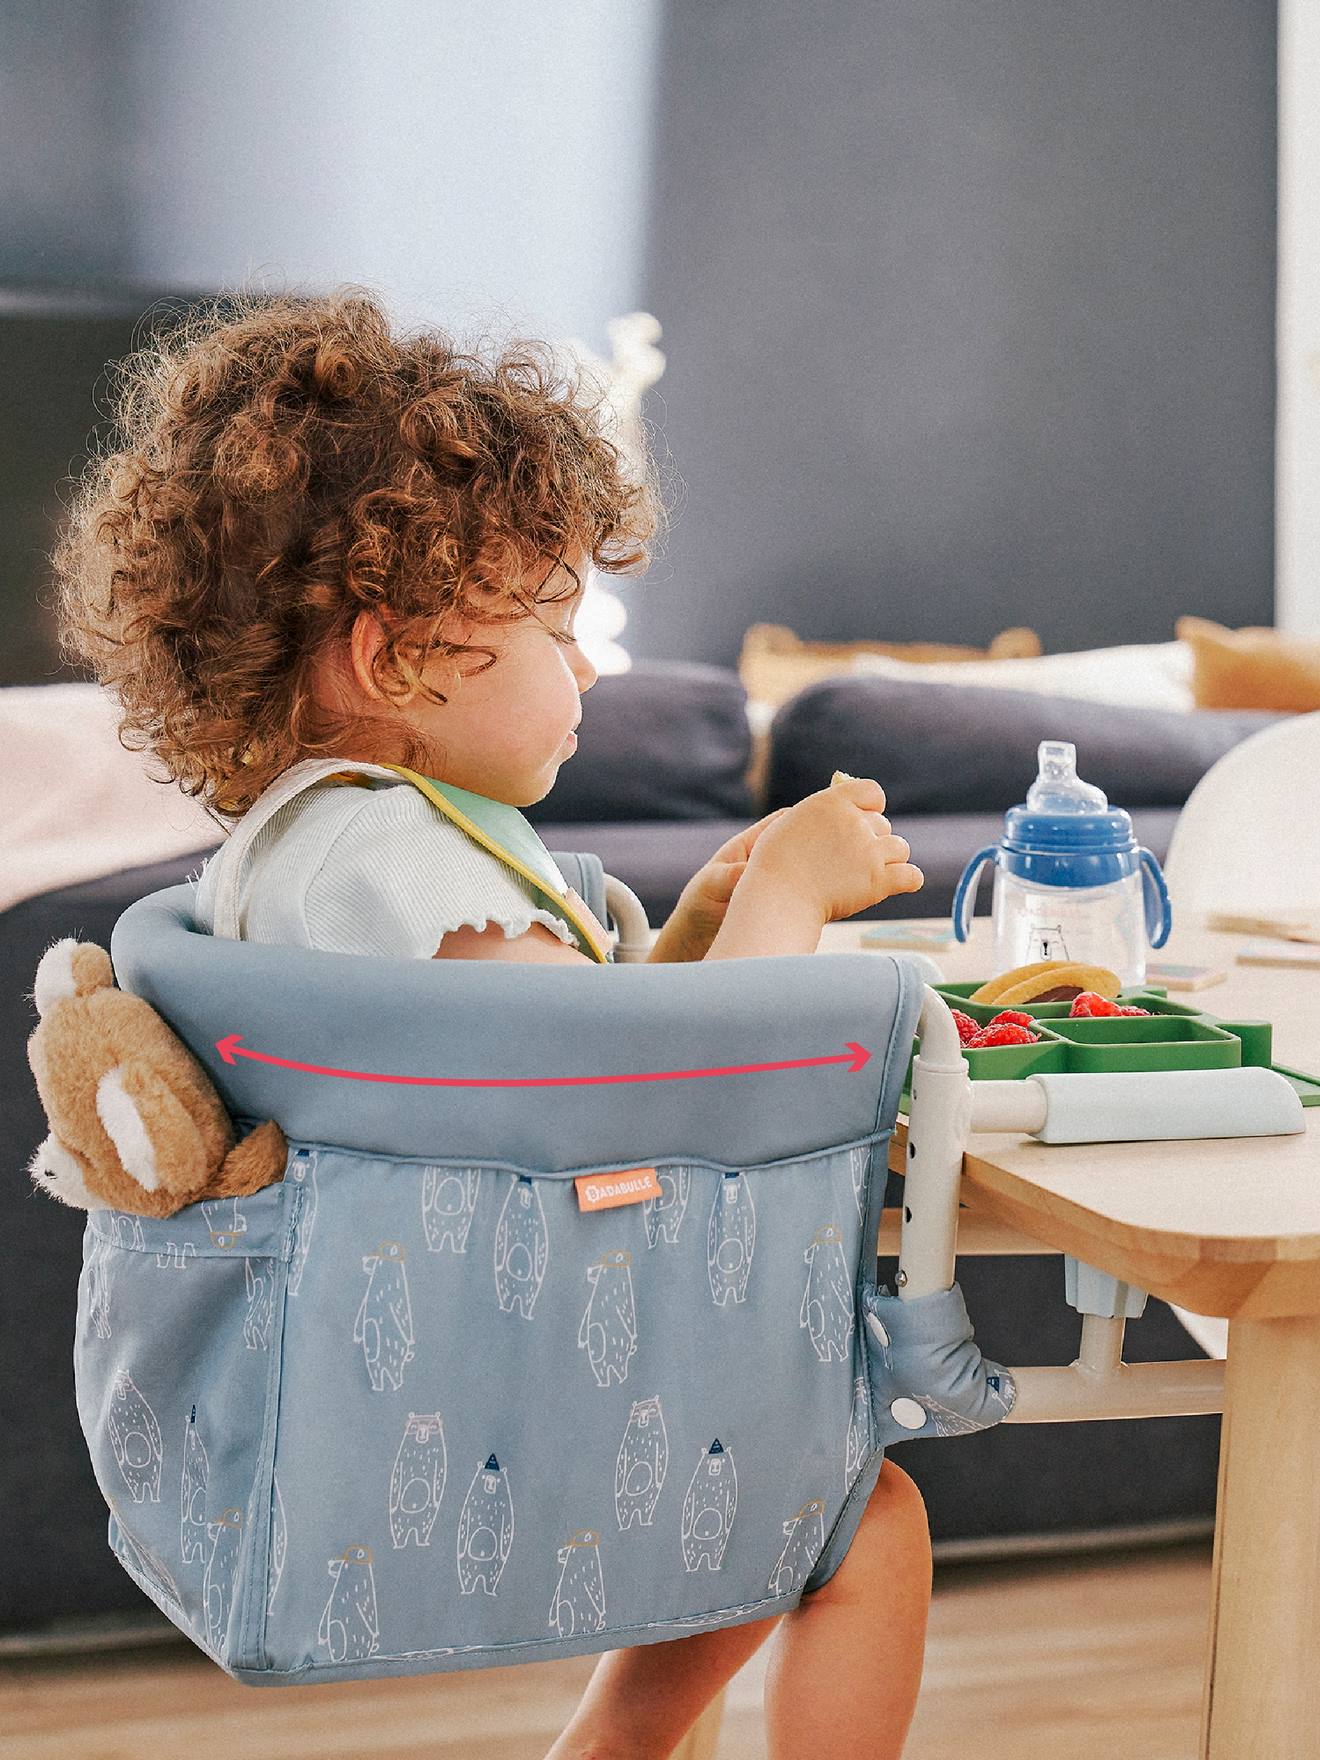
<point>1139,675</point>
<point>1252,668</point>
<point>669,739</point>
<point>944,748</point>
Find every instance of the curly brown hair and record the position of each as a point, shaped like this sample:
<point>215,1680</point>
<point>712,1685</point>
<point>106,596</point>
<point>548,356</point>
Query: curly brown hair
<point>282,463</point>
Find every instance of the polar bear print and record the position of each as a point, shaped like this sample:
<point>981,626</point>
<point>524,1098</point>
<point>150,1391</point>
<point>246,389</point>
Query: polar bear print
<point>449,1202</point>
<point>521,1248</point>
<point>260,1275</point>
<point>859,1433</point>
<point>730,1239</point>
<point>804,1545</point>
<point>708,1509</point>
<point>350,1625</point>
<point>384,1324</point>
<point>192,1494</point>
<point>579,1600</point>
<point>827,1300</point>
<point>417,1482</point>
<point>485,1529</point>
<point>643,1461</point>
<point>135,1439</point>
<point>226,1534</point>
<point>302,1173</point>
<point>664,1215</point>
<point>608,1332</point>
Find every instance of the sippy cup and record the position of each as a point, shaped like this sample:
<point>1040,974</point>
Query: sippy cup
<point>1071,882</point>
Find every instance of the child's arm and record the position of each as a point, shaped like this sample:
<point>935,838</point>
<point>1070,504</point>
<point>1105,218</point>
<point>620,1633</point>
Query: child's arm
<point>539,945</point>
<point>760,919</point>
<point>765,917</point>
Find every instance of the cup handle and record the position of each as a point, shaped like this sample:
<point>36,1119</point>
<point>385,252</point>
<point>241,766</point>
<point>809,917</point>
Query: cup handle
<point>1159,912</point>
<point>964,899</point>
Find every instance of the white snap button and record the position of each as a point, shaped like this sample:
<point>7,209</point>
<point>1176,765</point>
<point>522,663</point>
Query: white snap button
<point>908,1413</point>
<point>878,1330</point>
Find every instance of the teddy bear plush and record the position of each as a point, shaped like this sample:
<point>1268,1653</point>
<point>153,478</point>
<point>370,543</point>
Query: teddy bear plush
<point>135,1121</point>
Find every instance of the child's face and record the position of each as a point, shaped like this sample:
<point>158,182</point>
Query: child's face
<point>504,732</point>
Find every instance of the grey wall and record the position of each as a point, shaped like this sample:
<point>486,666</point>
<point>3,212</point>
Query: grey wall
<point>967,304</point>
<point>61,175</point>
<point>969,314</point>
<point>484,165</point>
<point>481,162</point>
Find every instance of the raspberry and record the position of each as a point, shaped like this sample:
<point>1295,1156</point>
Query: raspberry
<point>1088,1006</point>
<point>967,1027</point>
<point>1014,1017</point>
<point>1131,1008</point>
<point>1001,1033</point>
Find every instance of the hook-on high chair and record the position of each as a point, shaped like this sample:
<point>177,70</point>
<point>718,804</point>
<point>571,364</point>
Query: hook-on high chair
<point>413,1409</point>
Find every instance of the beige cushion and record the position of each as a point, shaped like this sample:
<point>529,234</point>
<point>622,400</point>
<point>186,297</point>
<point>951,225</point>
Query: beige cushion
<point>775,664</point>
<point>1251,668</point>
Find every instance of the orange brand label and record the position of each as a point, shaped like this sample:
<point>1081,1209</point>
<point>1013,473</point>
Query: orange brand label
<point>602,1191</point>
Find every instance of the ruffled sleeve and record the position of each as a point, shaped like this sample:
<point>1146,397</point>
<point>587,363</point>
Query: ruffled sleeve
<point>397,878</point>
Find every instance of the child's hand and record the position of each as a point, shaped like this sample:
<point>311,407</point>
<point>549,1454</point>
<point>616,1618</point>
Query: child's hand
<point>836,848</point>
<point>701,907</point>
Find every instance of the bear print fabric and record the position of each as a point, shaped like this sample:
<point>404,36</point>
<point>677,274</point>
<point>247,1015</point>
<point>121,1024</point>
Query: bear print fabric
<point>175,1352</point>
<point>393,1417</point>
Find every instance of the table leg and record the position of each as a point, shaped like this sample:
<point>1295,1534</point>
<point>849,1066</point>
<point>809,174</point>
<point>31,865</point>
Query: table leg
<point>1262,1680</point>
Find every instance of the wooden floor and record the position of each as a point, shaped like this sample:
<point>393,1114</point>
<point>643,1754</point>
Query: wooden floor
<point>1044,1659</point>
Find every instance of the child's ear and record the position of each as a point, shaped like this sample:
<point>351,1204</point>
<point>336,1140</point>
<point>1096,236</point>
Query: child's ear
<point>366,640</point>
<point>364,643</point>
<point>341,670</point>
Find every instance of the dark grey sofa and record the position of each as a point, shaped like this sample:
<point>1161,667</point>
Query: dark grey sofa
<point>659,782</point>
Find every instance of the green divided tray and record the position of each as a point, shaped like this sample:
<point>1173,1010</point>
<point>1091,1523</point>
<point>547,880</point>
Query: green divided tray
<point>1173,1036</point>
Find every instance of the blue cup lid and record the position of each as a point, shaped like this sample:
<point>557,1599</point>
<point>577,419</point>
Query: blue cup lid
<point>1066,833</point>
<point>1039,833</point>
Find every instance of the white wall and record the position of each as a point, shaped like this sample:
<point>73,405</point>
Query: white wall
<point>482,163</point>
<point>1297,449</point>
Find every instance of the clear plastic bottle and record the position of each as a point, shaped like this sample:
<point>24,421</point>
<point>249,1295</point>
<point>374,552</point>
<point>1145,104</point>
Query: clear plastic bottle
<point>1071,881</point>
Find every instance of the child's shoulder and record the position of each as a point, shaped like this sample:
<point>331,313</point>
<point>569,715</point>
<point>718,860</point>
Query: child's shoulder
<point>371,805</point>
<point>392,825</point>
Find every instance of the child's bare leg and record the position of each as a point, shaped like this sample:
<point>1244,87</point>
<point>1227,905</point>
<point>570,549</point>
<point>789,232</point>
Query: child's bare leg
<point>641,1702</point>
<point>845,1666</point>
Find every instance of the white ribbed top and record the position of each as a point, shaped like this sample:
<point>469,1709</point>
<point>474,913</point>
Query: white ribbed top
<point>375,870</point>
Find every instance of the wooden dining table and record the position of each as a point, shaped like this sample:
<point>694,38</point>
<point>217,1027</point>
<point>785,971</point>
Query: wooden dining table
<point>1229,1227</point>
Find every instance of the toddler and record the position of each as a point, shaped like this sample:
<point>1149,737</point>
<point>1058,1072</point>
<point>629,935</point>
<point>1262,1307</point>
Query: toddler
<point>308,522</point>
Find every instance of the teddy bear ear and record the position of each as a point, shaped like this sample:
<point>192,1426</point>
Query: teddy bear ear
<point>70,968</point>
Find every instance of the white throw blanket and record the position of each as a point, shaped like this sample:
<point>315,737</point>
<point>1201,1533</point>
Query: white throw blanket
<point>74,804</point>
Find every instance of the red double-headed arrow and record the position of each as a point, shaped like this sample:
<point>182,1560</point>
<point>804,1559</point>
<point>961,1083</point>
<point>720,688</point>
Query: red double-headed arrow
<point>231,1047</point>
